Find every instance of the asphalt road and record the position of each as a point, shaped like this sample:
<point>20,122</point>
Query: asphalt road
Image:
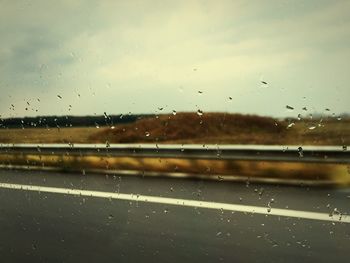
<point>43,226</point>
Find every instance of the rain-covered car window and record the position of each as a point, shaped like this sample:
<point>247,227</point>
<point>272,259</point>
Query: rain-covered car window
<point>174,131</point>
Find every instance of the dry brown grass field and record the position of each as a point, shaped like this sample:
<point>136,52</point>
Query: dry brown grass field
<point>209,128</point>
<point>336,174</point>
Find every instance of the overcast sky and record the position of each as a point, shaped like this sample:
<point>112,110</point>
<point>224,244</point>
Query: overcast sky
<point>139,56</point>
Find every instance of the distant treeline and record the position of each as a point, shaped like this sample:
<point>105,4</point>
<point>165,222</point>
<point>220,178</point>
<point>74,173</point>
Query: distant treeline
<point>70,121</point>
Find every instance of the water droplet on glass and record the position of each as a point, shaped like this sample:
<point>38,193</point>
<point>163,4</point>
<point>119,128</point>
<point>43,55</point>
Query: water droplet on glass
<point>290,125</point>
<point>300,151</point>
<point>147,134</point>
<point>174,112</point>
<point>289,107</point>
<point>199,112</point>
<point>345,148</point>
<point>59,96</point>
<point>110,216</point>
<point>312,127</point>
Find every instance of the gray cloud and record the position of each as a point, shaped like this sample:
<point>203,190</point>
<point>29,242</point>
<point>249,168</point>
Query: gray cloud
<point>137,56</point>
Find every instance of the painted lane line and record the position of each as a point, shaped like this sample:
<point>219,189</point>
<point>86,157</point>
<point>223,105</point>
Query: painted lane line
<point>184,202</point>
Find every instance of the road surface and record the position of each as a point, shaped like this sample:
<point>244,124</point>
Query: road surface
<point>61,217</point>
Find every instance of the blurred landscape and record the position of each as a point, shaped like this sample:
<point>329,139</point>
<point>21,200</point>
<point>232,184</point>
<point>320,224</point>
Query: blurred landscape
<point>183,127</point>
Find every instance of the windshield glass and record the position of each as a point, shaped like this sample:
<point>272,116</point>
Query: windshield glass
<point>174,130</point>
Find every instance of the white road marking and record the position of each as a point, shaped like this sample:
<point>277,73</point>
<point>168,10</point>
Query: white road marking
<point>184,202</point>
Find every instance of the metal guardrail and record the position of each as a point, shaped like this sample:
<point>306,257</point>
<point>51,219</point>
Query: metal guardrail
<point>319,154</point>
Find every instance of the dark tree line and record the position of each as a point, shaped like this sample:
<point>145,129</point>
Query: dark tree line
<point>69,121</point>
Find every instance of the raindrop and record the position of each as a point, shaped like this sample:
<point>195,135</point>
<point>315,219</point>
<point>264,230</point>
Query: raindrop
<point>174,112</point>
<point>230,98</point>
<point>312,127</point>
<point>261,192</point>
<point>200,92</point>
<point>147,134</point>
<point>59,96</point>
<point>166,210</point>
<point>300,151</point>
<point>345,148</point>
<point>326,109</point>
<point>160,108</point>
<point>110,216</point>
<point>304,109</point>
<point>290,125</point>
<point>289,107</point>
<point>199,112</point>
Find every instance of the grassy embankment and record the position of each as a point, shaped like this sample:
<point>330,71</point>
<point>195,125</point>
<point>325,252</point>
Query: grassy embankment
<point>209,128</point>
